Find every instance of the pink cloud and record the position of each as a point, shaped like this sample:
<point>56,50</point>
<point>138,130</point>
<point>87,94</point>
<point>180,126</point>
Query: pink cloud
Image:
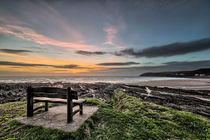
<point>111,35</point>
<point>40,10</point>
<point>29,34</point>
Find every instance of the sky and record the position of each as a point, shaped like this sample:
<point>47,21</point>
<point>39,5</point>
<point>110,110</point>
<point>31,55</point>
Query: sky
<point>103,37</point>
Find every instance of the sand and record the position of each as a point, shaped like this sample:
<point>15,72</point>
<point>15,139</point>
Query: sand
<point>185,84</point>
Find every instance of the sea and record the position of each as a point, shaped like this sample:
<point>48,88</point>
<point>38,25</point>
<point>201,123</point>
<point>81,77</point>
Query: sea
<point>88,79</point>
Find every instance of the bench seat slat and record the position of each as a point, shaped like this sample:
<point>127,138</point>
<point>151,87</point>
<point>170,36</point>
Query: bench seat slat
<point>58,100</point>
<point>49,90</point>
<point>50,95</point>
<point>54,95</point>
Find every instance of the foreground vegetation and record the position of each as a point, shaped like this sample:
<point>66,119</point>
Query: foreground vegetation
<point>124,117</point>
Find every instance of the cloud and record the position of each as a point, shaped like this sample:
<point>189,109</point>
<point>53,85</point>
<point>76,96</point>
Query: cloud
<point>169,50</point>
<point>168,66</point>
<point>88,53</point>
<point>110,35</point>
<point>160,51</point>
<point>118,64</point>
<point>20,64</point>
<point>29,34</point>
<point>149,63</point>
<point>12,51</point>
<point>39,10</point>
<point>67,66</point>
<point>11,54</point>
<point>24,27</point>
<point>184,64</point>
<point>8,63</point>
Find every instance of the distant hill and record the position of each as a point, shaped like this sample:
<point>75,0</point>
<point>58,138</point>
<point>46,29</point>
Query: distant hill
<point>195,73</point>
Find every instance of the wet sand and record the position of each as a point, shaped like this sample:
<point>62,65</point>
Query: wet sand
<point>183,84</point>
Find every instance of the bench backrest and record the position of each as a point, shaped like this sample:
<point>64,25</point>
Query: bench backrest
<point>52,92</point>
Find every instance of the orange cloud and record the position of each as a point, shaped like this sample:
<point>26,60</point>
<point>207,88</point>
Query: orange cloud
<point>50,61</point>
<point>46,69</point>
<point>30,35</point>
<point>9,54</point>
<point>47,65</point>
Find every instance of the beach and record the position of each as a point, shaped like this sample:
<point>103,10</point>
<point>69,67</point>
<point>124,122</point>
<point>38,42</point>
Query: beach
<point>183,84</point>
<point>177,94</point>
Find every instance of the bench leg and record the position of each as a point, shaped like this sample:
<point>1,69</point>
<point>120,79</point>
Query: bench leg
<point>29,103</point>
<point>69,111</point>
<point>81,109</point>
<point>30,108</point>
<point>46,106</point>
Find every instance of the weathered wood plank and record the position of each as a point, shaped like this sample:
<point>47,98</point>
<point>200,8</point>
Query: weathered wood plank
<point>44,99</point>
<point>79,101</point>
<point>81,109</point>
<point>38,107</point>
<point>75,112</point>
<point>50,95</point>
<point>69,106</point>
<point>74,94</point>
<point>29,102</point>
<point>59,102</point>
<point>49,90</point>
<point>52,100</point>
<point>46,105</point>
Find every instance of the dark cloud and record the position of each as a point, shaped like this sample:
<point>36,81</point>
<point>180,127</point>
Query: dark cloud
<point>149,63</point>
<point>67,66</point>
<point>118,64</point>
<point>14,51</point>
<point>169,66</point>
<point>169,50</point>
<point>184,64</point>
<point>20,64</point>
<point>90,53</point>
<point>179,48</point>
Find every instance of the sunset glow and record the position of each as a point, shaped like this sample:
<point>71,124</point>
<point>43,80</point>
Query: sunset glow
<point>103,37</point>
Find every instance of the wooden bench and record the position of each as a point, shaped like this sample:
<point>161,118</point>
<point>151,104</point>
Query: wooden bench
<point>54,95</point>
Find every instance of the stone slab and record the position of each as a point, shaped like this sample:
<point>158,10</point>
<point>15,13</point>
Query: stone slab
<point>56,118</point>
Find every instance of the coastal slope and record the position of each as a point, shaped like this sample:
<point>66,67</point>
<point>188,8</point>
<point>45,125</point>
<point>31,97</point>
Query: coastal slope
<point>123,117</point>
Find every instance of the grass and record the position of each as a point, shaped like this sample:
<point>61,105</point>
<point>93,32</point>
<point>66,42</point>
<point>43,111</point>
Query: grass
<point>124,117</point>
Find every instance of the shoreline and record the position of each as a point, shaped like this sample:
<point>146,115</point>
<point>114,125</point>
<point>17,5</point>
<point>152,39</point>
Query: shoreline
<point>192,84</point>
<point>182,84</point>
<point>195,101</point>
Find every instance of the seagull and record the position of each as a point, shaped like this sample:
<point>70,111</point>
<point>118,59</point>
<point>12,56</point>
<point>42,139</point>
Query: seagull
<point>148,91</point>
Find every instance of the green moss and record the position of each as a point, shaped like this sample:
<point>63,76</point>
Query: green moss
<point>124,117</point>
<point>96,102</point>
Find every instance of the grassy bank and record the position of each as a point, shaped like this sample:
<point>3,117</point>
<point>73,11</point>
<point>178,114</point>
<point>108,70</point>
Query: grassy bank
<point>124,117</point>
